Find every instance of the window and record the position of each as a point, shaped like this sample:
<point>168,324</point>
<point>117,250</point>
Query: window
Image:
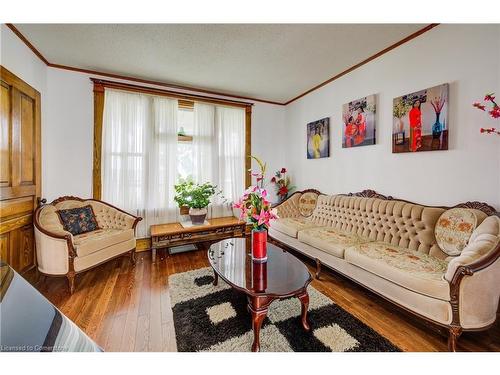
<point>185,119</point>
<point>149,142</point>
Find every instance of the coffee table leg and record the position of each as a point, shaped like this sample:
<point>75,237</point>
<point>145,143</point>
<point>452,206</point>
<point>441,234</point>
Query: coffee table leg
<point>216,278</point>
<point>154,254</point>
<point>258,308</point>
<point>304,301</point>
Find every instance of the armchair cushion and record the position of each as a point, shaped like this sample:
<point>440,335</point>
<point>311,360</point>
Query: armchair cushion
<point>90,242</point>
<point>78,220</point>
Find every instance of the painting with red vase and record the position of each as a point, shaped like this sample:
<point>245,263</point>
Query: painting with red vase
<point>420,120</point>
<point>359,122</point>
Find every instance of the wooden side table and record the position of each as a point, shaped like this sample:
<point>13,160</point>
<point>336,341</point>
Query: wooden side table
<point>174,234</point>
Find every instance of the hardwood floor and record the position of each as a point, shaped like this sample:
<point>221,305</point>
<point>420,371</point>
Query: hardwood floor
<point>127,308</point>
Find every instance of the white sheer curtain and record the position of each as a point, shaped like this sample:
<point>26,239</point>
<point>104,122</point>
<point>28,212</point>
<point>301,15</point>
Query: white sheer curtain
<point>219,153</point>
<point>204,144</point>
<point>139,156</point>
<point>230,136</point>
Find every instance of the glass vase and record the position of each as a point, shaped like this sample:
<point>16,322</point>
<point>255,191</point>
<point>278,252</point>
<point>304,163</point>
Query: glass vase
<point>259,245</point>
<point>437,128</point>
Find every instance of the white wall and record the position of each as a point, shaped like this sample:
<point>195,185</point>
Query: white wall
<point>268,139</point>
<point>468,57</point>
<point>67,167</point>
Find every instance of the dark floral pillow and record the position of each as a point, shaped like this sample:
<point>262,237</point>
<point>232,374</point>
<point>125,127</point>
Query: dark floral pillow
<point>78,220</point>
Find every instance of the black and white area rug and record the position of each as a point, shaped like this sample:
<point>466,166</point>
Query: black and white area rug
<point>215,318</point>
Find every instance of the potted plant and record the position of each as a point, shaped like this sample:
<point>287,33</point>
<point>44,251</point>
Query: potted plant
<point>182,192</point>
<point>196,197</point>
<point>257,210</point>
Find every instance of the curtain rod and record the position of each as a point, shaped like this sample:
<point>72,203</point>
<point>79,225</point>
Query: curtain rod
<point>174,94</point>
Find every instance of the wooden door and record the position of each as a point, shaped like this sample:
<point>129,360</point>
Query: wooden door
<point>19,169</point>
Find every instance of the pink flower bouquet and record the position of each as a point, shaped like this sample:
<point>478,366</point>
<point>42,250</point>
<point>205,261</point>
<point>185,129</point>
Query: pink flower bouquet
<point>254,206</point>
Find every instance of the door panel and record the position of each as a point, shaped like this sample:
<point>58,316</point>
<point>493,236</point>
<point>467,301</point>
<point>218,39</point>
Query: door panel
<point>26,253</point>
<point>19,169</point>
<point>5,146</point>
<point>4,246</point>
<point>27,144</point>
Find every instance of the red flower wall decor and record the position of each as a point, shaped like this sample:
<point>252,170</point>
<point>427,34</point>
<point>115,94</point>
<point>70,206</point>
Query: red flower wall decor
<point>494,112</point>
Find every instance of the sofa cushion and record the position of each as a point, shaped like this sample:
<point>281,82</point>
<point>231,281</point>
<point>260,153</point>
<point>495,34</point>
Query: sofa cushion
<point>454,228</point>
<point>78,220</point>
<point>413,270</point>
<point>88,243</point>
<point>329,240</point>
<point>291,225</point>
<point>307,203</point>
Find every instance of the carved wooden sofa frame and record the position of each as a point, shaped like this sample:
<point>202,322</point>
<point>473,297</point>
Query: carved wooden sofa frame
<point>454,328</point>
<point>71,274</point>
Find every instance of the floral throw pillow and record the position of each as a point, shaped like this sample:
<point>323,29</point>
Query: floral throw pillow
<point>78,220</point>
<point>454,228</point>
<point>307,203</point>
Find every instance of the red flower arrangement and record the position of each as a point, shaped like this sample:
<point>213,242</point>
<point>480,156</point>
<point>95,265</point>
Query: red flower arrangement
<point>438,104</point>
<point>282,182</point>
<point>494,112</point>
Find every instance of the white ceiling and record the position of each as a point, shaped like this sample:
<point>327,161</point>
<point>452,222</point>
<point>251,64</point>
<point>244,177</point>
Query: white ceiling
<point>275,62</point>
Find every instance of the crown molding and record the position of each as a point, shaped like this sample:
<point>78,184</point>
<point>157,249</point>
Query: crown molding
<point>366,61</point>
<point>28,43</point>
<point>212,92</point>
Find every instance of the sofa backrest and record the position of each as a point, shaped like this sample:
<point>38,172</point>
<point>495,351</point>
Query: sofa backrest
<point>396,222</point>
<point>106,216</point>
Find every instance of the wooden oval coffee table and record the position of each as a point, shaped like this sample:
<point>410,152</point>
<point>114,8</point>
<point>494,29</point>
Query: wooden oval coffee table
<point>282,276</point>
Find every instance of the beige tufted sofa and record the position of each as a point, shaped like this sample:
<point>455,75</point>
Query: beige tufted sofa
<point>390,247</point>
<point>59,253</point>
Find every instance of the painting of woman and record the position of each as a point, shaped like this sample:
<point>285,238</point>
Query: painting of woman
<point>361,125</point>
<point>420,120</point>
<point>350,132</point>
<point>318,142</point>
<point>358,117</point>
<point>415,118</point>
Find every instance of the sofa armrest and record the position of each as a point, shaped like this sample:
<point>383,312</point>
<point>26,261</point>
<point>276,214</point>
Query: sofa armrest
<point>289,207</point>
<point>53,253</point>
<point>474,277</point>
<point>482,250</point>
<point>55,234</point>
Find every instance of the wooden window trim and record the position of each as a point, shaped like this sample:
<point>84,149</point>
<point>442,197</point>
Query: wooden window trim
<point>185,102</point>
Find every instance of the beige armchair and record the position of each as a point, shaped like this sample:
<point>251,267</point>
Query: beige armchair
<point>59,253</point>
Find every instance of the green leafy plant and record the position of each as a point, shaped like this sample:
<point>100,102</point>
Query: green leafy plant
<point>194,195</point>
<point>401,108</point>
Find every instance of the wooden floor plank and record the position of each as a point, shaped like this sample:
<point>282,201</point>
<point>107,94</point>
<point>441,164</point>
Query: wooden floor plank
<point>127,308</point>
